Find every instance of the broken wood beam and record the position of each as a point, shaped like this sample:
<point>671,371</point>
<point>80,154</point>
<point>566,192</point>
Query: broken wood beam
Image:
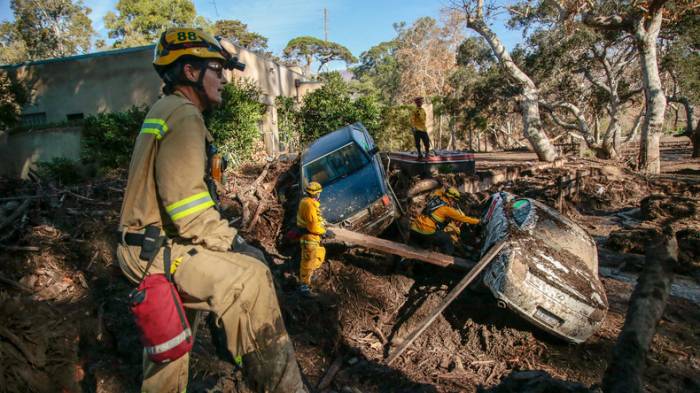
<point>402,250</point>
<point>461,286</point>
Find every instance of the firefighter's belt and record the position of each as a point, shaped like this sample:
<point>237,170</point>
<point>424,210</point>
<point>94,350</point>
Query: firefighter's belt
<point>150,241</point>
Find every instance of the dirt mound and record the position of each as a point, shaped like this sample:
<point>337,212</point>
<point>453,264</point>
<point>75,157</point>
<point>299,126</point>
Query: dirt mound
<point>659,206</point>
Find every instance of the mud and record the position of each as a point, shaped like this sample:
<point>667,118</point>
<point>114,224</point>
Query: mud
<point>64,323</point>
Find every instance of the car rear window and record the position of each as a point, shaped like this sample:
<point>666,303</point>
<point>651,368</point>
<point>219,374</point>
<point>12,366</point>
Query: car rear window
<point>335,165</point>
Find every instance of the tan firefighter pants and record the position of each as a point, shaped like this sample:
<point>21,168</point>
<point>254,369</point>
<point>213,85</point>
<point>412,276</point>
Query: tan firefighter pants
<point>237,288</point>
<point>312,257</point>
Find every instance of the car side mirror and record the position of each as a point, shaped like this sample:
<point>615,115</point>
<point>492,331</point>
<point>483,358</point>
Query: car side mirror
<point>373,151</point>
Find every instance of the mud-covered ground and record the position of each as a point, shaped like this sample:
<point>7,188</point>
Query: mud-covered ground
<point>65,327</point>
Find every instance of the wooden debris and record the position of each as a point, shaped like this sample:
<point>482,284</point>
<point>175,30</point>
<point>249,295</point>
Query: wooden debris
<point>387,246</point>
<point>330,374</point>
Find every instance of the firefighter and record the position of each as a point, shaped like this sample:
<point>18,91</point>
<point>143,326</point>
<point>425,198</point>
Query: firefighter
<point>420,131</point>
<point>215,270</point>
<point>312,226</point>
<point>428,228</point>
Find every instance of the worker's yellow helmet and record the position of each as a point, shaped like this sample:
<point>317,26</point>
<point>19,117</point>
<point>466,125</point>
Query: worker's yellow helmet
<point>186,41</point>
<point>314,188</point>
<point>453,193</point>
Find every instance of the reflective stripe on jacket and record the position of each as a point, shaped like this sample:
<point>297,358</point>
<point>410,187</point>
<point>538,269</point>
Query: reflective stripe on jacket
<point>166,186</point>
<point>427,225</point>
<point>309,218</point>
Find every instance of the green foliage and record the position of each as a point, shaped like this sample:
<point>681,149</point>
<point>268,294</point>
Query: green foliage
<point>310,48</point>
<point>289,123</point>
<point>379,68</point>
<point>140,22</point>
<point>394,133</point>
<point>63,170</point>
<point>12,96</point>
<point>234,124</point>
<point>332,107</point>
<point>45,29</point>
<point>108,138</point>
<point>237,32</point>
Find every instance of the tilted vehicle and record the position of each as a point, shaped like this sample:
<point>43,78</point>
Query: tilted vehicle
<point>548,270</point>
<point>356,193</point>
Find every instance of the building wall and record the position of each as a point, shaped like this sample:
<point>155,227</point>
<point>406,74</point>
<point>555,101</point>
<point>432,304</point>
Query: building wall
<point>20,151</point>
<point>113,81</point>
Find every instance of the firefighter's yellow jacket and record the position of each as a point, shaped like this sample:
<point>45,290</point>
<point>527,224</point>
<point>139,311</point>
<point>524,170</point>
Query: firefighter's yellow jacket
<point>166,186</point>
<point>418,118</point>
<point>428,225</point>
<point>309,218</point>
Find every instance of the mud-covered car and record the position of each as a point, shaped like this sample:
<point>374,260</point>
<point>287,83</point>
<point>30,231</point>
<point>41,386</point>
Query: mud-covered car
<point>356,193</point>
<point>548,270</point>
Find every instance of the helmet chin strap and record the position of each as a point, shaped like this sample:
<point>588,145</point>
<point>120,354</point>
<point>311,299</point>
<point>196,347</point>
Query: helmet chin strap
<point>199,89</point>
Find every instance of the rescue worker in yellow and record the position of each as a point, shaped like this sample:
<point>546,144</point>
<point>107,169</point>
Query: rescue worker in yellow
<point>420,130</point>
<point>215,270</point>
<point>427,229</point>
<point>312,226</point>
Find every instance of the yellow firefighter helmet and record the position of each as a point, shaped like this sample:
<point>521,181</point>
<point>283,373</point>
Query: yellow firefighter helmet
<point>314,188</point>
<point>186,41</point>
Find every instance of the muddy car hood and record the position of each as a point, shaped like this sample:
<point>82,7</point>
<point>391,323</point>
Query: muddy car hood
<point>344,197</point>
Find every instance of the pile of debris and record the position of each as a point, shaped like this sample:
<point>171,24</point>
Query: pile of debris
<point>64,323</point>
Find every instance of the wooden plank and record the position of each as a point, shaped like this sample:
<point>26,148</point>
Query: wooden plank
<point>403,250</point>
<point>495,249</point>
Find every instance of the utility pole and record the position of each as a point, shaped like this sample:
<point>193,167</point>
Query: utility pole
<point>325,24</point>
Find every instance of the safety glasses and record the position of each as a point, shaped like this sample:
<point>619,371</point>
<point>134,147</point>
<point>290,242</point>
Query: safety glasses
<point>217,68</point>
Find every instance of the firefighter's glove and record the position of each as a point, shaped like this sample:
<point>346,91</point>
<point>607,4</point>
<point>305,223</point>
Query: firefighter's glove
<point>242,247</point>
<point>329,234</point>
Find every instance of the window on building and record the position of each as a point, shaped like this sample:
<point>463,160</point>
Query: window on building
<point>33,119</point>
<point>74,117</point>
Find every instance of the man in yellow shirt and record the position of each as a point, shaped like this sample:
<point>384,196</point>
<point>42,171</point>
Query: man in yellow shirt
<point>420,131</point>
<point>427,230</point>
<point>312,226</point>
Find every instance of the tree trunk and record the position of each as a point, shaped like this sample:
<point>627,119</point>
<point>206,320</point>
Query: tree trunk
<point>649,157</point>
<point>695,138</point>
<point>529,104</point>
<point>647,304</point>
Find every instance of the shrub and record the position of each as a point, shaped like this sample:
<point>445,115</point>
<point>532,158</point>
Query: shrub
<point>63,170</point>
<point>331,107</point>
<point>288,123</point>
<point>394,132</point>
<point>12,96</point>
<point>234,125</point>
<point>108,138</point>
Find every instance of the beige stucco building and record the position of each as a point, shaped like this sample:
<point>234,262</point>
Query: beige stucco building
<point>71,88</point>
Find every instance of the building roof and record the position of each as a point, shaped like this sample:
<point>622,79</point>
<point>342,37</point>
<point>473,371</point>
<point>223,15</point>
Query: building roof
<point>113,52</point>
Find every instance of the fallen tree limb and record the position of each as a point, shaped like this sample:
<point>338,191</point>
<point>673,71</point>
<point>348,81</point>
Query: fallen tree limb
<point>403,250</point>
<point>17,213</point>
<point>647,304</point>
<point>15,284</point>
<point>330,374</point>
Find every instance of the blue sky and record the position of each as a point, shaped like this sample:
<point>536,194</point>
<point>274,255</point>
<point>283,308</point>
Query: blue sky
<point>357,24</point>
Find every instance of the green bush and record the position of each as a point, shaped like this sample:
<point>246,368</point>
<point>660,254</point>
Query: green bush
<point>288,123</point>
<point>12,96</point>
<point>332,106</point>
<point>108,138</point>
<point>63,170</point>
<point>395,133</point>
<point>234,125</point>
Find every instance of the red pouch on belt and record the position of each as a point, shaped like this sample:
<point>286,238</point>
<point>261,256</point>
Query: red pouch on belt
<point>160,317</point>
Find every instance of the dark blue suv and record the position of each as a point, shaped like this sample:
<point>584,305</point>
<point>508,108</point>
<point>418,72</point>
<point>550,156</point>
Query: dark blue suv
<point>356,193</point>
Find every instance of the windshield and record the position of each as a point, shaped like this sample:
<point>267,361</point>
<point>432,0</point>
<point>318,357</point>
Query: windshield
<point>335,165</point>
